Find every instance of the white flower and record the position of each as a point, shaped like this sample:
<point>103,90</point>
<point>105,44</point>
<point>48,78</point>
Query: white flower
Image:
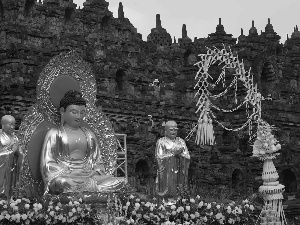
<point>197,214</point>
<point>18,200</point>
<point>128,203</point>
<point>12,205</point>
<point>200,204</point>
<point>245,201</point>
<point>131,197</point>
<point>137,200</point>
<point>198,197</point>
<point>13,217</point>
<point>79,209</point>
<point>192,200</point>
<point>1,217</point>
<point>173,213</point>
<point>239,211</point>
<point>57,208</point>
<point>7,216</point>
<point>208,206</point>
<point>251,207</point>
<point>192,216</point>
<point>231,221</point>
<point>173,207</point>
<point>228,209</point>
<point>188,208</point>
<point>151,209</point>
<point>218,206</point>
<point>70,214</point>
<point>183,200</point>
<point>51,213</point>
<point>247,205</point>
<point>219,216</point>
<point>24,216</point>
<point>26,206</point>
<point>137,205</point>
<point>186,216</point>
<point>133,212</point>
<point>205,219</point>
<point>73,210</point>
<point>180,208</point>
<point>15,208</point>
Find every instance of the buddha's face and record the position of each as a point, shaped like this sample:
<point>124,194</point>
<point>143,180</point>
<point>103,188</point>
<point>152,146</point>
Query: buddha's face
<point>8,124</point>
<point>73,115</point>
<point>171,130</point>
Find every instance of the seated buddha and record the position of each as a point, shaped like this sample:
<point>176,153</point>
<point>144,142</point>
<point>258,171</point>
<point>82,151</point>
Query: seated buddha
<point>71,158</point>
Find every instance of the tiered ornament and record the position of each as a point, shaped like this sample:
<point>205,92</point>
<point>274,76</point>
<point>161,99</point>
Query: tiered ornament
<point>265,148</point>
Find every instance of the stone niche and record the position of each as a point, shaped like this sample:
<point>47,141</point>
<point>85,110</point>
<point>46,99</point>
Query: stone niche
<point>288,178</point>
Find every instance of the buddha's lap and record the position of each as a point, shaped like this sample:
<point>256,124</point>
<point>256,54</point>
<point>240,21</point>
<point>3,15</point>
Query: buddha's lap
<point>81,176</point>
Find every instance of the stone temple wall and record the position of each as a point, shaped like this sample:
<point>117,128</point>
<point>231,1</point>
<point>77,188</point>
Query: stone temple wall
<point>31,33</point>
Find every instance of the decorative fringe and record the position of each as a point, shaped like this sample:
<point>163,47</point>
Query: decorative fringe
<point>271,191</point>
<point>205,131</point>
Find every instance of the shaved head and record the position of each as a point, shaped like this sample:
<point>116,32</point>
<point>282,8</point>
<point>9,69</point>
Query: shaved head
<point>7,119</point>
<point>171,129</point>
<point>8,123</point>
<point>170,123</point>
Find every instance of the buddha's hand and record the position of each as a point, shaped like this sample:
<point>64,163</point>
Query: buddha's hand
<point>59,185</point>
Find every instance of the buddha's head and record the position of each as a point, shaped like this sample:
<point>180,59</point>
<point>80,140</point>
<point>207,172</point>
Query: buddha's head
<point>171,129</point>
<point>72,108</point>
<point>8,123</point>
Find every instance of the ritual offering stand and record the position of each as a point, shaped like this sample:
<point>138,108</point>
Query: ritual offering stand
<point>265,148</point>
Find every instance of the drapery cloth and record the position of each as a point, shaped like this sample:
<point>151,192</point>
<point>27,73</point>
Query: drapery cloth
<point>10,163</point>
<point>172,171</point>
<point>80,174</point>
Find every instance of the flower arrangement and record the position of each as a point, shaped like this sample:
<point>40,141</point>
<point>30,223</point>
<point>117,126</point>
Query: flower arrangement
<point>265,145</point>
<point>187,211</point>
<point>123,209</point>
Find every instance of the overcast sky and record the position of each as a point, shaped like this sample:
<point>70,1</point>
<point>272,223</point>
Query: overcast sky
<point>202,17</point>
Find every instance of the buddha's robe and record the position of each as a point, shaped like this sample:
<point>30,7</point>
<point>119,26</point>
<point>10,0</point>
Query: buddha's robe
<point>172,171</point>
<point>80,174</point>
<point>11,159</point>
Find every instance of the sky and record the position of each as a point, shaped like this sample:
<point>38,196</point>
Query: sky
<point>202,17</point>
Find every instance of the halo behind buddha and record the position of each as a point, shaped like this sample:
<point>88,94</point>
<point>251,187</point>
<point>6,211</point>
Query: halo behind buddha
<point>67,71</point>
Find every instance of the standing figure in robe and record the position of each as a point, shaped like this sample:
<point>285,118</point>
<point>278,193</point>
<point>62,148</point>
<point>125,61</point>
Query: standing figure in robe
<point>11,156</point>
<point>173,162</point>
<point>71,158</point>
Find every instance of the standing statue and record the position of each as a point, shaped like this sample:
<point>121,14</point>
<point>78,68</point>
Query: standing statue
<point>71,158</point>
<point>173,162</point>
<point>10,156</point>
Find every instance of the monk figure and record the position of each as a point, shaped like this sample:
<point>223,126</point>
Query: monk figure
<point>173,162</point>
<point>71,158</point>
<point>10,156</point>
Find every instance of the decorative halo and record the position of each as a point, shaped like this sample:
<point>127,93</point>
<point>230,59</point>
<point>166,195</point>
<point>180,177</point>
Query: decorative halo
<point>67,71</point>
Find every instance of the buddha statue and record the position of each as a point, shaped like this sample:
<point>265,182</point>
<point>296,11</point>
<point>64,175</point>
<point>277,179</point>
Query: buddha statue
<point>10,156</point>
<point>173,162</point>
<point>71,159</point>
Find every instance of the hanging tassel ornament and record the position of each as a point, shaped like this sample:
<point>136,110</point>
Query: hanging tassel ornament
<point>205,132</point>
